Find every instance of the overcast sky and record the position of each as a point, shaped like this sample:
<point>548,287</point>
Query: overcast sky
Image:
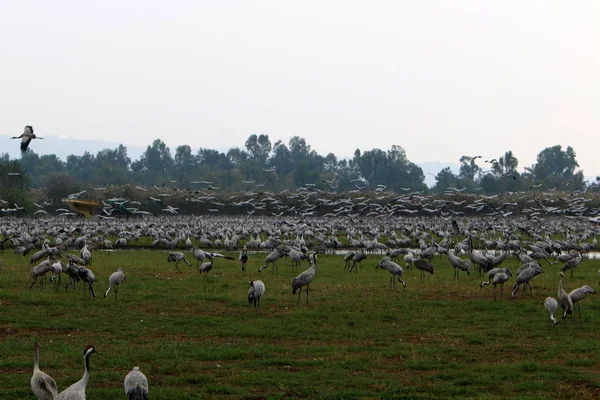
<point>439,78</point>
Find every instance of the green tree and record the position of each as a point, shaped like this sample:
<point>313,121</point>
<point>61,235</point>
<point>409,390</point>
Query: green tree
<point>556,168</point>
<point>468,168</point>
<point>58,185</point>
<point>81,168</point>
<point>445,179</point>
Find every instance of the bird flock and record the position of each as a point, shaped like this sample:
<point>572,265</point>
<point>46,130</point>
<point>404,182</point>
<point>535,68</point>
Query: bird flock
<point>471,245</point>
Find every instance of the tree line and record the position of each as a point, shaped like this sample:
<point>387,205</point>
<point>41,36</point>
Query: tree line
<point>281,166</point>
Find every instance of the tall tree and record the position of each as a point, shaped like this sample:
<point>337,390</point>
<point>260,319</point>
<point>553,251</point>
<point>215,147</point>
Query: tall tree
<point>556,167</point>
<point>468,168</point>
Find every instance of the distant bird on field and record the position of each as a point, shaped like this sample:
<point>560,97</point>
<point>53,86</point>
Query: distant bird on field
<point>26,137</point>
<point>305,278</point>
<point>423,266</point>
<point>42,385</point>
<point>136,385</point>
<point>115,279</point>
<point>565,301</point>
<point>176,256</point>
<point>551,306</point>
<point>257,290</point>
<point>394,269</point>
<point>243,259</point>
<point>579,294</point>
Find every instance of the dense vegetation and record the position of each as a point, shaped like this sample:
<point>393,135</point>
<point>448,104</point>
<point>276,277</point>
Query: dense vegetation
<point>279,167</point>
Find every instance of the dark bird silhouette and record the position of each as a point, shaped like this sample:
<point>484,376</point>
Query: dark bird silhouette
<point>455,228</point>
<point>423,266</point>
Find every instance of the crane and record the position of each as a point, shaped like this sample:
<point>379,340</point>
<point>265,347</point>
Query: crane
<point>305,278</point>
<point>26,137</point>
<point>42,385</point>
<point>77,390</point>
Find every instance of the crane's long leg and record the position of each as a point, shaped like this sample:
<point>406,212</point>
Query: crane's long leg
<point>32,283</point>
<point>299,293</point>
<point>307,293</point>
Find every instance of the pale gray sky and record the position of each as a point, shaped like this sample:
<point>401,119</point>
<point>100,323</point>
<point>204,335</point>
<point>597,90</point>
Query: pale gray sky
<point>439,78</point>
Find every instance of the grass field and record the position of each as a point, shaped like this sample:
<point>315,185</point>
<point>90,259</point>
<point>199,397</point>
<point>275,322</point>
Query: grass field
<point>198,338</point>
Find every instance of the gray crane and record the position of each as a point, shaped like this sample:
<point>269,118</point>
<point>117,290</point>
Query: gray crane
<point>40,270</point>
<point>86,275</point>
<point>177,256</point>
<point>256,291</point>
<point>572,263</point>
<point>423,266</point>
<point>114,280</point>
<point>397,252</point>
<point>206,267</point>
<point>77,390</point>
<point>579,294</point>
<point>243,258</point>
<point>394,269</point>
<point>491,273</point>
<point>42,385</point>
<point>525,276</point>
<point>357,259</point>
<point>500,279</point>
<point>347,258</point>
<point>551,306</point>
<point>86,255</point>
<point>136,385</point>
<point>26,137</point>
<point>275,255</point>
<point>199,255</point>
<point>564,300</point>
<point>459,264</point>
<point>305,278</point>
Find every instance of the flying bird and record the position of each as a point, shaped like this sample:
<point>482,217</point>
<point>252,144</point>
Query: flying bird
<point>26,138</point>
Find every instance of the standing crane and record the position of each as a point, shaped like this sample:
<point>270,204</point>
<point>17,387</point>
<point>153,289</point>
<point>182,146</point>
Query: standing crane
<point>115,279</point>
<point>305,278</point>
<point>77,390</point>
<point>525,276</point>
<point>257,290</point>
<point>563,297</point>
<point>272,257</point>
<point>423,266</point>
<point>42,385</point>
<point>551,306</point>
<point>579,294</point>
<point>500,279</point>
<point>136,385</point>
<point>572,263</point>
<point>459,264</point>
<point>177,256</point>
<point>394,269</point>
<point>244,258</point>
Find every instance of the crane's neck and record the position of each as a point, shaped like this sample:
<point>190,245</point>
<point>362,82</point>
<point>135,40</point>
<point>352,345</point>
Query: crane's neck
<point>86,374</point>
<point>560,287</point>
<point>36,359</point>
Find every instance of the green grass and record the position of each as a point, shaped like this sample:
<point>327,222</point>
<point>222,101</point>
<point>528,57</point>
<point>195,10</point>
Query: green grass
<point>198,338</point>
